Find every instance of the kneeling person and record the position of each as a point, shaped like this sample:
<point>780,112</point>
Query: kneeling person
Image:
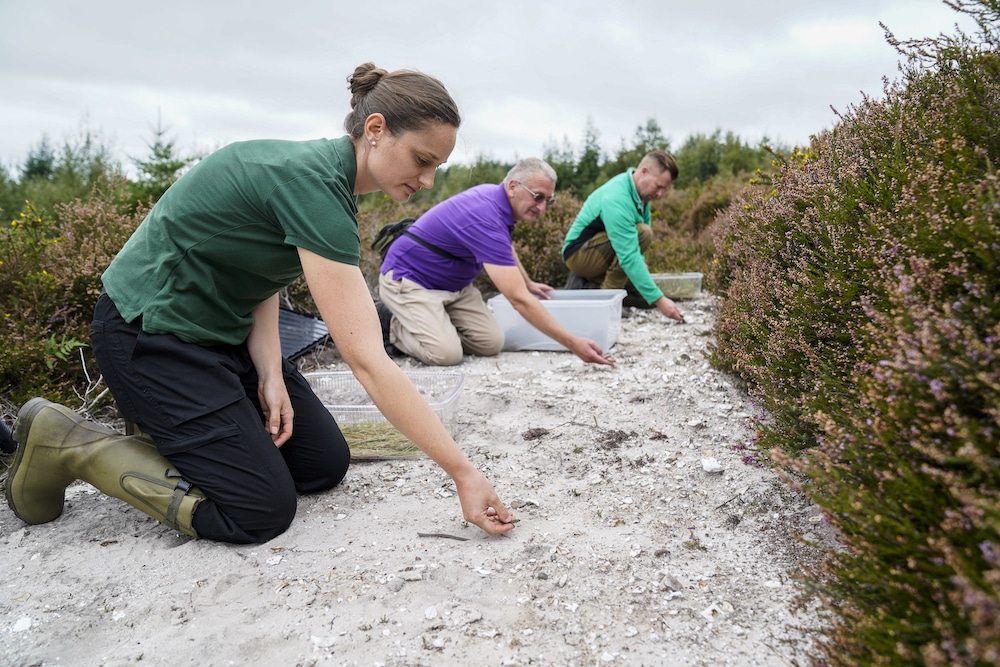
<point>605,246</point>
<point>431,310</point>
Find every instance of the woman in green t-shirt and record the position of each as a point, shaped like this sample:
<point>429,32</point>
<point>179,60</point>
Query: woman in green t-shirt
<point>186,333</point>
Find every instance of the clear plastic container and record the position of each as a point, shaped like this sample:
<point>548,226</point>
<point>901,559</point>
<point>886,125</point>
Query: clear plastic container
<point>591,313</point>
<point>678,285</point>
<point>348,402</point>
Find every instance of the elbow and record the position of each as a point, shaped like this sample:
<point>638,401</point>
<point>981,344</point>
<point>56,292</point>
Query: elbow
<point>522,303</point>
<point>364,362</point>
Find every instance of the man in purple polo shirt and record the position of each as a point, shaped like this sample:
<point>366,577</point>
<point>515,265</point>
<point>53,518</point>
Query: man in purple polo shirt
<point>429,308</point>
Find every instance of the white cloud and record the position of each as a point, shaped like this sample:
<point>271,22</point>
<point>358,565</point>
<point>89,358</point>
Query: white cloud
<point>827,37</point>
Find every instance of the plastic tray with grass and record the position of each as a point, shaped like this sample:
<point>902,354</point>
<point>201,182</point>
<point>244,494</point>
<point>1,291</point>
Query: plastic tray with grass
<point>369,435</point>
<point>678,285</point>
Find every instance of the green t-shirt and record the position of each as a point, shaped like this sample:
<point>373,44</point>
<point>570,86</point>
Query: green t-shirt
<point>615,208</point>
<point>224,237</point>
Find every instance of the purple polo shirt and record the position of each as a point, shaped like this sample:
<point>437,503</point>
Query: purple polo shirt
<point>474,225</point>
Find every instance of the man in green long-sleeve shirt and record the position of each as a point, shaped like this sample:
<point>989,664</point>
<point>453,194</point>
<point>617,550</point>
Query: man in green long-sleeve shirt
<point>605,245</point>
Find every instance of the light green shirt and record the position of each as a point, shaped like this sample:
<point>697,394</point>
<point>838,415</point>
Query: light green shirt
<point>615,208</point>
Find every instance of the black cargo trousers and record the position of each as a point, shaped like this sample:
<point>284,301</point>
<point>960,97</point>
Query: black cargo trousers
<point>199,404</point>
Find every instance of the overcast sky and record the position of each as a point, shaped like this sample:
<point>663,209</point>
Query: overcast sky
<point>526,75</point>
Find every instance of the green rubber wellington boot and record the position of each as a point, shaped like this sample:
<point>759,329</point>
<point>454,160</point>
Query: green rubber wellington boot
<point>56,446</point>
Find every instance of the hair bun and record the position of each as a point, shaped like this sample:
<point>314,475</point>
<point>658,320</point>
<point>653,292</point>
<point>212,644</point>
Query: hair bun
<point>363,80</point>
<point>406,99</point>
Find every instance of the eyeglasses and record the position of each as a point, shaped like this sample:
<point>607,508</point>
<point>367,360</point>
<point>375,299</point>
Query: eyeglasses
<point>538,196</point>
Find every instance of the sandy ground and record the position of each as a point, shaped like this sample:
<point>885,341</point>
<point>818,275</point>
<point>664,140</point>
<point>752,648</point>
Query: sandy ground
<point>643,539</point>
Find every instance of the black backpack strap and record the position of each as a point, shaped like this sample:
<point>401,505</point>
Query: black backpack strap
<point>430,246</point>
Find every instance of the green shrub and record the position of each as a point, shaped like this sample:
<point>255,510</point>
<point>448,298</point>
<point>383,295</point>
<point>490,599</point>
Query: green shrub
<point>861,305</point>
<point>683,224</point>
<point>50,277</point>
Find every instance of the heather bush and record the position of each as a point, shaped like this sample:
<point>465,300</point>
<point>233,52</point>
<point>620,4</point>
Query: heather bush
<point>50,270</point>
<point>683,224</point>
<point>860,305</point>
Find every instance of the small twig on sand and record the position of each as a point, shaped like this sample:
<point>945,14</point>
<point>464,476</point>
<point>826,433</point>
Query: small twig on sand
<point>728,501</point>
<point>445,535</point>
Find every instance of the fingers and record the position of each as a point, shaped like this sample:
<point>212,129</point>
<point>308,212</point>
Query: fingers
<point>490,514</point>
<point>274,424</point>
<point>595,355</point>
<point>505,517</point>
<point>494,522</point>
<point>481,505</point>
<point>282,435</point>
<point>278,422</point>
<point>540,290</point>
<point>602,359</point>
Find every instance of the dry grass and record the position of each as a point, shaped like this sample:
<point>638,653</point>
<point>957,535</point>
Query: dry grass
<point>378,441</point>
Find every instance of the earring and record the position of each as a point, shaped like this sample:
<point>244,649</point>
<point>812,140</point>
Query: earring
<point>373,142</point>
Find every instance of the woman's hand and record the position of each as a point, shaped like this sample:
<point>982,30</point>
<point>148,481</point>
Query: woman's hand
<point>277,409</point>
<point>590,352</point>
<point>264,345</point>
<point>481,505</point>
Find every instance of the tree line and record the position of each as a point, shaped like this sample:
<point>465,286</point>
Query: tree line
<point>56,173</point>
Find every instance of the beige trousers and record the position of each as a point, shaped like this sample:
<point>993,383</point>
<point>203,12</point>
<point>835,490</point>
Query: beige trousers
<point>438,327</point>
<point>596,261</point>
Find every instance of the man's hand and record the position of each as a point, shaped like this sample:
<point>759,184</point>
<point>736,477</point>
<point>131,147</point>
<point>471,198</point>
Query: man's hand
<point>669,309</point>
<point>541,290</point>
<point>591,352</point>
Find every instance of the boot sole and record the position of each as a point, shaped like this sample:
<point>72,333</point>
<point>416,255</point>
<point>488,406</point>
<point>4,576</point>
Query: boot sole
<point>25,417</point>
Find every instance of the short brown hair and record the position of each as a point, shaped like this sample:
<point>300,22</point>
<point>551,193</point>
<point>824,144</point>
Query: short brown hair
<point>664,159</point>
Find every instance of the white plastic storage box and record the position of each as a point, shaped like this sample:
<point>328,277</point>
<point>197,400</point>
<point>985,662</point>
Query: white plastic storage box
<point>348,402</point>
<point>678,285</point>
<point>591,313</point>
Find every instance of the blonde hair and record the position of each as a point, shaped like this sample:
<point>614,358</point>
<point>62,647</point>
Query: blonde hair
<point>408,100</point>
